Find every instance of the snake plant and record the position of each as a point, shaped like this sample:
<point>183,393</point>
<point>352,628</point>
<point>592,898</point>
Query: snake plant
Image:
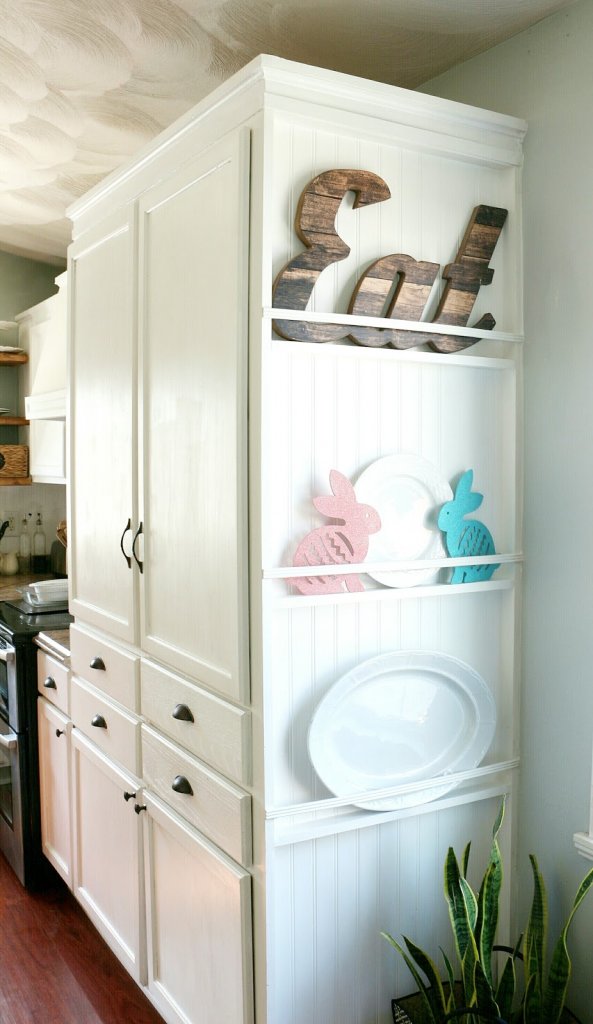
<point>476,992</point>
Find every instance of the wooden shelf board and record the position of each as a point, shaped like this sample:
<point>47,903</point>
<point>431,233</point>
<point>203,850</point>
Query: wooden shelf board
<point>13,421</point>
<point>13,358</point>
<point>14,481</point>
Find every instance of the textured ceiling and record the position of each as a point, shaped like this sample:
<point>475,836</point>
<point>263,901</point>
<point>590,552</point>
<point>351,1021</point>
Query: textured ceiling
<point>85,83</point>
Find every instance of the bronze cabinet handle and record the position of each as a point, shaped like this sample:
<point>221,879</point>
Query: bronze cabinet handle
<point>99,722</point>
<point>182,713</point>
<point>181,785</point>
<point>50,683</point>
<point>97,663</point>
<point>128,558</point>
<point>136,535</point>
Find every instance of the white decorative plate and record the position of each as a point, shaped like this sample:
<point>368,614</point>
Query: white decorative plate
<point>407,492</point>
<point>401,718</point>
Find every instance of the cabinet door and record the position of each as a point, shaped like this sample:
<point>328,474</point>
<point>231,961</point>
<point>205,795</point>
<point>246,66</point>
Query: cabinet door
<point>102,429</point>
<point>107,861</point>
<point>193,330</point>
<point>199,924</point>
<point>54,785</point>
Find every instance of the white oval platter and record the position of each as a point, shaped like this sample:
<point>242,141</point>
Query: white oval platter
<point>400,718</point>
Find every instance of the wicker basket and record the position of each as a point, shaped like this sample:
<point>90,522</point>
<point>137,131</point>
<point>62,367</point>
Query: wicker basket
<point>14,460</point>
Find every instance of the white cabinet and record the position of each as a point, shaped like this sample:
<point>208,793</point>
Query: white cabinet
<point>107,865</point>
<point>198,924</point>
<point>186,545</point>
<point>102,450</point>
<point>54,730</point>
<point>200,439</point>
<point>42,333</point>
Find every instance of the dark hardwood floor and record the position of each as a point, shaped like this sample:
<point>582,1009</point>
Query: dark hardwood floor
<point>54,966</point>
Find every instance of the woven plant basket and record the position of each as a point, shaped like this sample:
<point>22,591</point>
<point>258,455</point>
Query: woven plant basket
<point>14,460</point>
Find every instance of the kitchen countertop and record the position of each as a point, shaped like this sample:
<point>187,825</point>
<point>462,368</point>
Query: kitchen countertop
<point>55,641</point>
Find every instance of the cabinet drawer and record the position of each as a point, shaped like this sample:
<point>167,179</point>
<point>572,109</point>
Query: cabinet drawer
<point>219,809</point>
<point>111,669</point>
<point>212,729</point>
<point>52,680</point>
<point>114,730</point>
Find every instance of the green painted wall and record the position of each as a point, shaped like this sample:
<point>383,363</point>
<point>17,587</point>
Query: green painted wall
<point>23,283</point>
<point>546,76</point>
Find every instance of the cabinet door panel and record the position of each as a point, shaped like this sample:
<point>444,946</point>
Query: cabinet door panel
<point>54,785</point>
<point>102,433</point>
<point>108,877</point>
<point>199,907</point>
<point>193,231</point>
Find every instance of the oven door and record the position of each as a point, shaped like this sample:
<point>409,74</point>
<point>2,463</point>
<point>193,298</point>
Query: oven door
<point>11,823</point>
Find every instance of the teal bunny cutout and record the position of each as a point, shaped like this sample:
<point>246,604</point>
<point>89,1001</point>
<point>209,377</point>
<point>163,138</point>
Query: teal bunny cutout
<point>465,537</point>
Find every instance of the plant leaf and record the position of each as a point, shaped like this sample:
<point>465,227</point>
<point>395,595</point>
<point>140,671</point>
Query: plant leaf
<point>505,992</point>
<point>488,899</point>
<point>465,860</point>
<point>457,904</point>
<point>560,965</point>
<point>488,915</point>
<point>422,990</point>
<point>535,936</point>
<point>451,977</point>
<point>485,999</point>
<point>468,968</point>
<point>471,902</point>
<point>532,1002</point>
<point>428,967</point>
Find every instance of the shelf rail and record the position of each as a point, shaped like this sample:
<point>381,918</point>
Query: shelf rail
<point>446,781</point>
<point>423,326</point>
<point>371,568</point>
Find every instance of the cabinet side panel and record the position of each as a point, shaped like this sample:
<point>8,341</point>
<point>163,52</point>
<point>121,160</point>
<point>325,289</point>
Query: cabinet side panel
<point>194,231</point>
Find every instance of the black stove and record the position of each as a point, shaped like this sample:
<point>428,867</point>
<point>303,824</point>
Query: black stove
<point>21,625</point>
<point>20,830</point>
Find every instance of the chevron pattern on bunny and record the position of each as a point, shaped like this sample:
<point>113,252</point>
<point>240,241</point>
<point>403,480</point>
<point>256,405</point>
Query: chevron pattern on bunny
<point>336,544</point>
<point>465,537</point>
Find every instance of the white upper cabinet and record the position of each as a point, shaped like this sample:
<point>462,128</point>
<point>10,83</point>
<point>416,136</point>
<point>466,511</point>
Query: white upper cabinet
<point>102,494</point>
<point>165,515</point>
<point>43,335</point>
<point>193,302</point>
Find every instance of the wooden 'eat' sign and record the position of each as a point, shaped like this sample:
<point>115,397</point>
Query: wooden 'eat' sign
<point>315,226</point>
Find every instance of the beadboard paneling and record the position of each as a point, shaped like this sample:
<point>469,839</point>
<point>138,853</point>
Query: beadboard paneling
<point>313,646</point>
<point>334,896</point>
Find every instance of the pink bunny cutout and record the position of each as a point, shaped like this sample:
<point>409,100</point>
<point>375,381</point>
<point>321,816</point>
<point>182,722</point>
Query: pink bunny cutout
<point>332,544</point>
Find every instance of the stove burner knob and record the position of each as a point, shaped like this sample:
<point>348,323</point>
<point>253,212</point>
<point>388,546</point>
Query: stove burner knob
<point>98,663</point>
<point>50,683</point>
<point>99,722</point>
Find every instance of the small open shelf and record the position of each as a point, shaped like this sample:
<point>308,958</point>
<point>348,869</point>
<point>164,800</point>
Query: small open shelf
<point>13,358</point>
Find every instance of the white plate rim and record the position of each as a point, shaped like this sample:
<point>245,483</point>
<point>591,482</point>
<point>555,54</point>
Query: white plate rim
<point>398,465</point>
<point>454,669</point>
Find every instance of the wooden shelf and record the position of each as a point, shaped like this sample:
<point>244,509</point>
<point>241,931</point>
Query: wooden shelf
<point>13,358</point>
<point>13,421</point>
<point>14,481</point>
